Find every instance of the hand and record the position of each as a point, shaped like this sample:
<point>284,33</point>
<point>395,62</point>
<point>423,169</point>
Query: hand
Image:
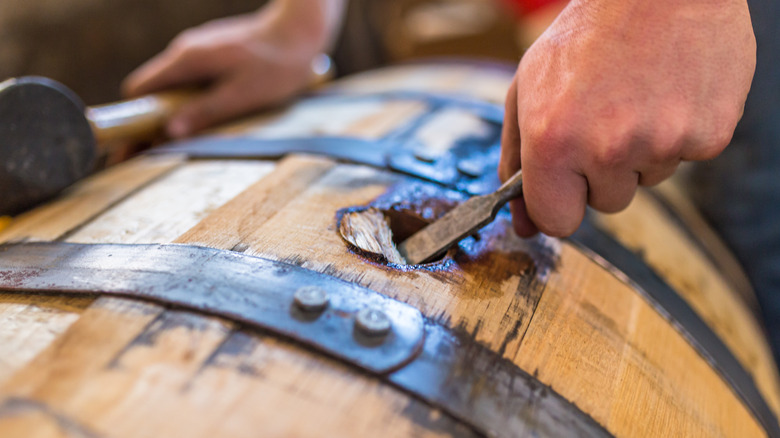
<point>246,62</point>
<point>614,95</point>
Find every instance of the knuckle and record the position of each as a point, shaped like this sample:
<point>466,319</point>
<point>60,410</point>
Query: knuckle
<point>713,144</point>
<point>611,154</point>
<point>545,143</point>
<point>188,43</point>
<point>721,138</point>
<point>183,42</point>
<point>713,136</point>
<point>666,150</point>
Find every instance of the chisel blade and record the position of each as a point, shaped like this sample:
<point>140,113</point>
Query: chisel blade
<point>462,221</point>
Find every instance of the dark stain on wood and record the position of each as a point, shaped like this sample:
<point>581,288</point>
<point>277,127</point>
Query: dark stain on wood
<point>294,260</point>
<point>409,206</point>
<point>240,247</point>
<point>17,406</point>
<point>233,353</point>
<point>47,302</point>
<point>331,270</point>
<point>601,322</point>
<point>478,265</point>
<point>458,374</point>
<point>513,334</point>
<point>170,320</point>
<point>435,420</point>
<point>165,321</point>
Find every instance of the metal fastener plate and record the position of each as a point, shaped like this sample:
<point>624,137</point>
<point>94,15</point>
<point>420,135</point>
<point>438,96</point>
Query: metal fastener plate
<point>253,290</point>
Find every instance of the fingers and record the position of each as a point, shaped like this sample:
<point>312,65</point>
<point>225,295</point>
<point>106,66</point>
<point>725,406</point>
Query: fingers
<point>170,68</point>
<point>520,220</point>
<point>222,102</point>
<point>653,175</point>
<point>611,192</point>
<point>555,198</point>
<point>510,162</point>
<point>510,136</point>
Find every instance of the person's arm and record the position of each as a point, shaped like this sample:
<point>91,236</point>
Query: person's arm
<point>614,95</point>
<point>246,62</point>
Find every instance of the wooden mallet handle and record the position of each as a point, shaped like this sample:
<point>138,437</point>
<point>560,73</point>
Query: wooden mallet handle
<point>136,119</point>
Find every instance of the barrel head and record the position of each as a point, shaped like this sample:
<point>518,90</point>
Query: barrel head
<point>46,142</point>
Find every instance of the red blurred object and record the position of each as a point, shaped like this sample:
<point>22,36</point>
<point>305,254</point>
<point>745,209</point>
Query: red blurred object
<point>525,7</point>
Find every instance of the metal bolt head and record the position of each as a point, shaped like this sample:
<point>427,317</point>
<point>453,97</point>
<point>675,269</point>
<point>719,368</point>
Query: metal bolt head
<point>311,299</point>
<point>426,156</point>
<point>372,321</point>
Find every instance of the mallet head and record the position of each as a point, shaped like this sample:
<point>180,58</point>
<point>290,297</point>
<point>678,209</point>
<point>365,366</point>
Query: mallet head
<point>46,142</point>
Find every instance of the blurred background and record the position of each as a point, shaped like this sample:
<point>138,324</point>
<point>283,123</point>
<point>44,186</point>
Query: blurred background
<point>90,45</point>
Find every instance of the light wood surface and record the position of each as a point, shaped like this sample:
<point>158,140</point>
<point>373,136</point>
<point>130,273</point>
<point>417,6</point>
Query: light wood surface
<point>29,325</point>
<point>673,194</point>
<point>189,194</point>
<point>161,370</point>
<point>87,199</point>
<point>641,227</point>
<point>596,341</point>
<point>118,368</point>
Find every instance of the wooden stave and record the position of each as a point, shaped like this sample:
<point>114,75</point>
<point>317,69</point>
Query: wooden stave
<point>551,381</point>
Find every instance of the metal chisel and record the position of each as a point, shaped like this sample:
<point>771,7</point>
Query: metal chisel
<point>460,222</point>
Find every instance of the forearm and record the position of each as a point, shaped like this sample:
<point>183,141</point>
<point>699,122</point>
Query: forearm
<point>651,13</point>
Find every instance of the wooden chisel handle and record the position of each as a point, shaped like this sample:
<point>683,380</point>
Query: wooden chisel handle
<point>144,117</point>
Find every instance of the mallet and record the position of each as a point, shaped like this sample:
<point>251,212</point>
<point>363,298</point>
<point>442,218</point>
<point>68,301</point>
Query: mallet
<point>49,139</point>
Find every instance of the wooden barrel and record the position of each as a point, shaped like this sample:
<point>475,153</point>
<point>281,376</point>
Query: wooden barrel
<point>206,289</point>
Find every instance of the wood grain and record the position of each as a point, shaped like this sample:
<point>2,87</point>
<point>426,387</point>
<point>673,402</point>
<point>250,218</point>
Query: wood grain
<point>30,325</point>
<point>173,205</point>
<point>185,194</point>
<point>161,375</point>
<point>228,226</point>
<point>463,79</point>
<point>468,295</point>
<point>118,368</point>
<point>645,228</point>
<point>673,194</point>
<point>367,119</point>
<point>599,344</point>
<point>87,199</point>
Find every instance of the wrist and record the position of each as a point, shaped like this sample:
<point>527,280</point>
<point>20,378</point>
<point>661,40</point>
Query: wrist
<point>638,12</point>
<point>308,25</point>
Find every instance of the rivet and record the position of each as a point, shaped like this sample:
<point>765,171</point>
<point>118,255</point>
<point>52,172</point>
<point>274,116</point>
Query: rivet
<point>470,168</point>
<point>372,322</point>
<point>425,156</point>
<point>311,298</point>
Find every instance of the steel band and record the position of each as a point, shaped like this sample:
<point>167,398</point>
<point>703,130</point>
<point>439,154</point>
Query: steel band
<point>452,372</point>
